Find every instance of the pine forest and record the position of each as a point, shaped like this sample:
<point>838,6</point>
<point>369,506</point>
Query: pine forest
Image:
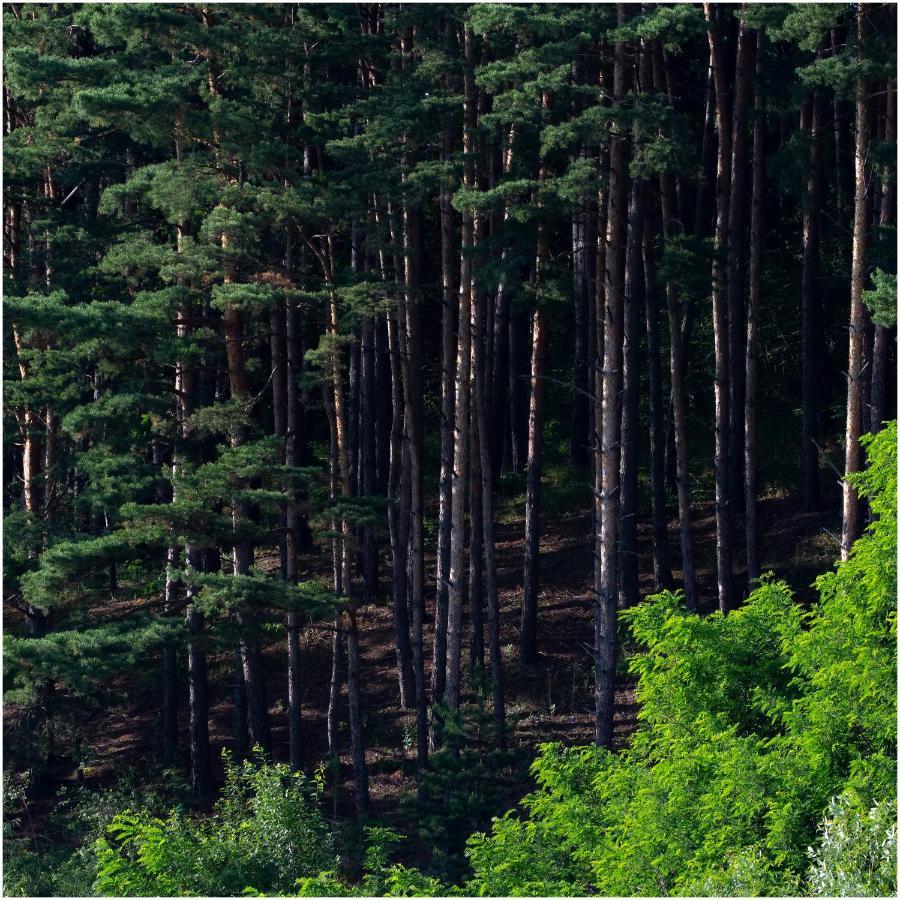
<point>449,449</point>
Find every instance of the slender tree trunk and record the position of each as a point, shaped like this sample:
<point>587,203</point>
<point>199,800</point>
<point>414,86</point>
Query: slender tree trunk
<point>811,126</point>
<point>662,571</point>
<point>292,459</point>
<point>528,649</point>
<point>737,222</point>
<point>481,405</point>
<point>605,643</point>
<point>198,704</point>
<point>398,522</point>
<point>676,444</point>
<point>357,733</point>
<point>449,307</point>
<point>519,332</point>
<point>853,458</point>
<point>340,448</point>
<point>463,365</point>
<point>724,572</point>
<point>476,555</point>
<point>628,460</point>
<point>411,342</point>
<point>756,224</point>
<point>583,277</point>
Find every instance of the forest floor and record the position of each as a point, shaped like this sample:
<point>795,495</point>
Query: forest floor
<point>552,701</point>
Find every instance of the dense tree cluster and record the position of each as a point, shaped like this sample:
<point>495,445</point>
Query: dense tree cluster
<point>285,277</point>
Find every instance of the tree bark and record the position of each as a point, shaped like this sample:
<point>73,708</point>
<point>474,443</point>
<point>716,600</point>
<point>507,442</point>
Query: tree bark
<point>476,556</point>
<point>399,521</point>
<point>528,648</point>
<point>853,455</point>
<point>357,733</point>
<point>662,571</point>
<point>605,643</point>
<point>628,460</point>
<point>411,342</point>
<point>811,126</point>
<point>449,309</point>
<point>756,225</point>
<point>463,365</point>
<point>480,402</point>
<point>737,222</point>
<point>724,572</point>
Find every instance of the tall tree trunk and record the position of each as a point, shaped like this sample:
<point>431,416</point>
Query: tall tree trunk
<point>292,458</point>
<point>737,222</point>
<point>811,126</point>
<point>357,734</point>
<point>676,436</point>
<point>463,365</point>
<point>340,448</point>
<point>628,460</point>
<point>449,308</point>
<point>481,405</point>
<point>198,704</point>
<point>583,276</point>
<point>476,550</point>
<point>662,571</point>
<point>528,635</point>
<point>399,521</point>
<point>605,644</point>
<point>411,342</point>
<point>724,572</point>
<point>756,225</point>
<point>852,462</point>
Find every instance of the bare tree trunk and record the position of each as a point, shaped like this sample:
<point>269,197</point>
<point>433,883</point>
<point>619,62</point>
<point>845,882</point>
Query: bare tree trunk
<point>662,571</point>
<point>198,704</point>
<point>737,221</point>
<point>292,516</point>
<point>583,276</point>
<point>853,458</point>
<point>518,396</point>
<point>605,643</point>
<point>724,572</point>
<point>480,402</point>
<point>628,482</point>
<point>399,521</point>
<point>449,308</point>
<point>811,126</point>
<point>411,342</point>
<point>463,365</point>
<point>357,733</point>
<point>476,546</point>
<point>756,214</point>
<point>528,636</point>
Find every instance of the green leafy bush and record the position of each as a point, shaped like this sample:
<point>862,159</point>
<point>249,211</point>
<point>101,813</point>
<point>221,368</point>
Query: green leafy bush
<point>265,834</point>
<point>857,852</point>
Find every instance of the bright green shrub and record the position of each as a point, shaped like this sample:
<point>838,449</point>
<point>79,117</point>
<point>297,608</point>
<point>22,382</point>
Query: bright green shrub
<point>265,834</point>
